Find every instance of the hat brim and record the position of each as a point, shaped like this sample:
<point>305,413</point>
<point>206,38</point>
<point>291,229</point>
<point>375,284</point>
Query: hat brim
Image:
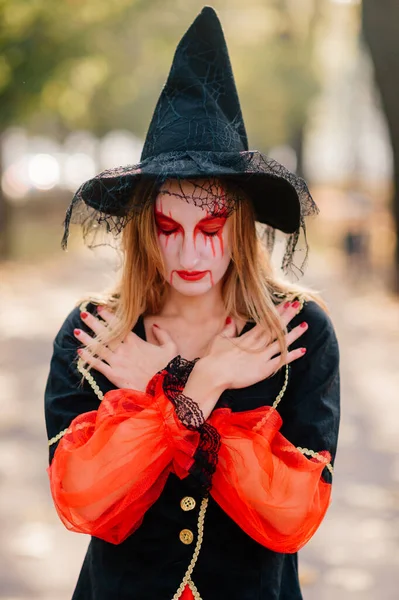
<point>274,191</point>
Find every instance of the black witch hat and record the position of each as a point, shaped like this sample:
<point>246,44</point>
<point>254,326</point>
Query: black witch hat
<point>197,132</point>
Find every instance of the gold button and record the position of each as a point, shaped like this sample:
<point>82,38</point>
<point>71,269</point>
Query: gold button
<point>187,503</point>
<point>186,536</point>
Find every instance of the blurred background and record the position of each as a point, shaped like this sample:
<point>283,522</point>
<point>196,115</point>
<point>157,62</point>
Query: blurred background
<point>318,83</point>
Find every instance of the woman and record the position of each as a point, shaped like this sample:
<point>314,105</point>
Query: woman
<point>193,411</point>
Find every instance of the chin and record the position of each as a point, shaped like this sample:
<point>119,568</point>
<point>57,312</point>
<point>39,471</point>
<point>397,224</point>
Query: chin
<point>192,289</point>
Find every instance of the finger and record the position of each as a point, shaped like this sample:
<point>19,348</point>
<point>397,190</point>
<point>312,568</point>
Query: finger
<point>255,338</point>
<point>230,329</point>
<point>291,356</point>
<point>93,323</point>
<point>162,336</point>
<point>290,337</point>
<point>104,326</point>
<point>95,363</point>
<point>282,307</point>
<point>86,339</point>
<point>291,309</point>
<point>108,316</point>
<point>110,321</point>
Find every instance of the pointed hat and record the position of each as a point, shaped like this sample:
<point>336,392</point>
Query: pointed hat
<point>197,131</point>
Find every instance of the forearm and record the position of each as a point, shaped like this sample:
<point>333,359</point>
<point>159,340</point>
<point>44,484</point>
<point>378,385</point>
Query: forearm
<point>204,386</point>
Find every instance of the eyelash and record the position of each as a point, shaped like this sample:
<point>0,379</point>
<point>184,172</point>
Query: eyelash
<point>208,233</point>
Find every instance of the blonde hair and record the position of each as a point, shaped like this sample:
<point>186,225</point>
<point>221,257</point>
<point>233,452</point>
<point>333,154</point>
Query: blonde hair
<point>249,291</point>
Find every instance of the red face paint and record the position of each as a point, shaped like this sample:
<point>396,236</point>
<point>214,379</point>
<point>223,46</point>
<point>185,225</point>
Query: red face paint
<point>211,227</point>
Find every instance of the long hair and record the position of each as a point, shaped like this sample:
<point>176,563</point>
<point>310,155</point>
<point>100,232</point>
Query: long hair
<point>250,290</point>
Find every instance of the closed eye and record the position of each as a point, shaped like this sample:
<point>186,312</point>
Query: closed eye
<point>210,233</point>
<point>167,231</point>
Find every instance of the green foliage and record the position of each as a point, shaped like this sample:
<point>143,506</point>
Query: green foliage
<point>100,65</point>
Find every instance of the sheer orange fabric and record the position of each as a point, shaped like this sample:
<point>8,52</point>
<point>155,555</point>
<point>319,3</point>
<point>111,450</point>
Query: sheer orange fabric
<point>112,464</point>
<point>269,488</point>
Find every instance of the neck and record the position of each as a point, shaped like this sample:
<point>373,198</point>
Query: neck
<point>195,309</point>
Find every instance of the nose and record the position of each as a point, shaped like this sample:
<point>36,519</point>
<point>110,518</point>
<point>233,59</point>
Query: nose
<point>189,255</point>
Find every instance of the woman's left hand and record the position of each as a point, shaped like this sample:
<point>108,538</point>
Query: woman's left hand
<point>128,363</point>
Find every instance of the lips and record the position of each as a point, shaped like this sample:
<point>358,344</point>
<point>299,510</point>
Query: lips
<point>191,275</point>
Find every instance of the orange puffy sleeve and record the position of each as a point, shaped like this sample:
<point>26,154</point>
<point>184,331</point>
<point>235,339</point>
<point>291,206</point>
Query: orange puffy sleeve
<point>267,486</point>
<point>112,463</point>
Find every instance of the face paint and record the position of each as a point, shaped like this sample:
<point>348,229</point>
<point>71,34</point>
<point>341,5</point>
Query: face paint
<point>194,244</point>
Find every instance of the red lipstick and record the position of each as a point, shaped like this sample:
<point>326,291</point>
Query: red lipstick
<point>191,275</point>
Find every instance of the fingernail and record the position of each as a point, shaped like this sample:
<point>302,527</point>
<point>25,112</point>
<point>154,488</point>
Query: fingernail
<point>79,350</point>
<point>303,325</point>
<point>303,350</point>
<point>228,320</point>
<point>83,315</point>
<point>287,304</point>
<point>100,308</point>
<point>296,304</point>
<point>155,325</point>
<point>77,331</point>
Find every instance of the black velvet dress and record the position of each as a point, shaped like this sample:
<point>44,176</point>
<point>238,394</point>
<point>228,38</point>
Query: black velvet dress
<point>196,535</point>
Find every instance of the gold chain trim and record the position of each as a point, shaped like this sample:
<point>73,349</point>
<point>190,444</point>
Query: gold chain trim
<point>285,384</point>
<point>67,430</point>
<point>57,437</point>
<point>316,455</point>
<point>277,401</point>
<point>187,577</point>
<point>89,377</point>
<point>92,382</point>
<point>83,306</point>
<point>194,590</point>
<point>283,389</point>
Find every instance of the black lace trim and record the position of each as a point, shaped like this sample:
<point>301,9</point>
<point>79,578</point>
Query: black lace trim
<point>189,413</point>
<point>176,374</point>
<point>206,456</point>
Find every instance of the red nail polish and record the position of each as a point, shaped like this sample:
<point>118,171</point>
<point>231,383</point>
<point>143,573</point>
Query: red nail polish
<point>77,331</point>
<point>303,350</point>
<point>287,304</point>
<point>79,350</point>
<point>296,304</point>
<point>228,320</point>
<point>155,325</point>
<point>83,315</point>
<point>303,325</point>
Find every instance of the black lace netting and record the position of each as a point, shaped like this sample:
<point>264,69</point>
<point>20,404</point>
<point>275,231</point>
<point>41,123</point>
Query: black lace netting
<point>105,204</point>
<point>197,132</point>
<point>189,413</point>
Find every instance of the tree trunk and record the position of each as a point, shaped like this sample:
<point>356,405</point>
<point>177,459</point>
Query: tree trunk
<point>5,241</point>
<point>380,28</point>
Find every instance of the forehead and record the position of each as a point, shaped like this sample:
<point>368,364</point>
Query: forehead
<point>191,200</point>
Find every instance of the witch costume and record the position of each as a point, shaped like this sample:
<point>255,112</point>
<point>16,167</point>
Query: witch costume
<point>186,507</point>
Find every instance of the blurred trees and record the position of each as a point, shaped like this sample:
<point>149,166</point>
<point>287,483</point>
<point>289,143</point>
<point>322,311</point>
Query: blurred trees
<point>52,65</point>
<point>380,26</point>
<point>100,65</point>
